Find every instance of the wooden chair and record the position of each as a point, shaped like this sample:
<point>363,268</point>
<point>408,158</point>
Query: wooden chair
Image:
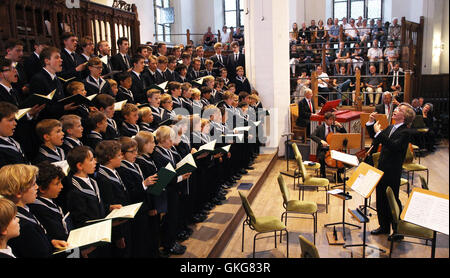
<point>298,131</point>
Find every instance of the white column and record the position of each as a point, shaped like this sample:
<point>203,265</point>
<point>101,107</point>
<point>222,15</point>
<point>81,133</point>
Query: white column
<point>267,62</point>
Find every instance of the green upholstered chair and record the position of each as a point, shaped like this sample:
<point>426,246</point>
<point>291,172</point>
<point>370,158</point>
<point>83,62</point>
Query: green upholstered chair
<point>263,224</point>
<point>309,250</point>
<point>315,167</point>
<point>410,167</point>
<point>402,227</point>
<point>296,206</point>
<point>311,181</point>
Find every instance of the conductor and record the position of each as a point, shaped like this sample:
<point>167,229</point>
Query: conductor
<point>394,140</point>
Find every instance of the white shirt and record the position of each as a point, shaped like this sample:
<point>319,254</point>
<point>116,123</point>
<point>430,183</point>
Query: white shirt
<point>7,251</point>
<point>53,76</point>
<point>8,89</point>
<point>374,53</point>
<point>88,182</point>
<point>224,37</point>
<point>324,76</point>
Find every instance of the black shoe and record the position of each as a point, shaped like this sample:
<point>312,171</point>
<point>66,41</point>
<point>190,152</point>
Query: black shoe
<point>395,237</point>
<point>209,206</point>
<point>188,231</point>
<point>182,236</point>
<point>220,197</point>
<point>250,168</point>
<point>163,254</point>
<point>177,249</point>
<point>243,171</point>
<point>216,201</point>
<point>237,177</point>
<point>380,231</point>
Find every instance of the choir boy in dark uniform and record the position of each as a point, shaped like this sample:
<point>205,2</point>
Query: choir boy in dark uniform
<point>125,82</point>
<point>46,210</point>
<point>197,104</point>
<point>206,95</point>
<point>242,83</point>
<point>84,202</point>
<point>139,82</point>
<point>181,74</point>
<point>97,124</point>
<point>195,72</point>
<point>161,69</point>
<point>73,132</point>
<point>17,183</point>
<point>145,119</point>
<point>82,110</point>
<point>170,73</point>
<point>186,94</point>
<point>72,65</point>
<point>86,49</point>
<point>130,114</point>
<point>218,59</point>
<point>162,156</point>
<point>209,71</point>
<point>121,61</point>
<point>10,150</point>
<point>156,204</point>
<point>51,135</point>
<point>9,227</point>
<point>94,83</point>
<point>154,101</point>
<point>105,103</point>
<point>174,89</point>
<point>138,187</point>
<point>113,193</point>
<point>209,82</point>
<point>150,72</point>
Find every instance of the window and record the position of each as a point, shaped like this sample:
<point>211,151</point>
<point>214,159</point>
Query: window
<point>355,8</point>
<point>234,13</point>
<point>163,19</point>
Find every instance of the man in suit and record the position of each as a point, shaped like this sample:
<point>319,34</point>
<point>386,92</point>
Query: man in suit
<point>32,64</point>
<point>394,140</point>
<point>200,55</point>
<point>161,49</point>
<point>161,69</point>
<point>72,62</point>
<point>170,73</point>
<point>14,52</point>
<point>122,61</point>
<point>195,73</point>
<point>139,83</point>
<point>305,110</point>
<point>105,50</point>
<point>320,136</point>
<point>234,60</point>
<point>388,105</point>
<point>396,80</point>
<point>150,71</point>
<point>218,59</point>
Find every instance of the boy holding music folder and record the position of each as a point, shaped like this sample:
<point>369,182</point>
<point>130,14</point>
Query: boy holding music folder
<point>18,184</point>
<point>163,158</point>
<point>138,187</point>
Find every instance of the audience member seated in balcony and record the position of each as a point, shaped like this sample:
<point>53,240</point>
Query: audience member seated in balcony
<point>329,24</point>
<point>320,34</point>
<point>303,83</point>
<point>312,30</point>
<point>396,78</point>
<point>364,32</point>
<point>379,33</point>
<point>239,37</point>
<point>294,59</point>
<point>392,55</point>
<point>357,56</point>
<point>374,85</point>
<point>385,106</point>
<point>322,78</point>
<point>330,57</point>
<point>372,27</point>
<point>375,55</point>
<point>293,35</point>
<point>343,57</point>
<point>225,38</point>
<point>209,40</point>
<point>308,57</point>
<point>352,33</point>
<point>334,31</point>
<point>305,110</point>
<point>345,24</point>
<point>395,31</point>
<point>359,22</point>
<point>342,83</point>
<point>304,34</point>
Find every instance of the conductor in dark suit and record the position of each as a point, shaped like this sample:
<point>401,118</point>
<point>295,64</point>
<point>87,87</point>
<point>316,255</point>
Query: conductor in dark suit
<point>394,140</point>
<point>305,110</point>
<point>320,136</point>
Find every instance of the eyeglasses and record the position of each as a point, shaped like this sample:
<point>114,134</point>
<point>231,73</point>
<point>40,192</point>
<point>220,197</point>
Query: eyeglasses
<point>132,151</point>
<point>9,69</point>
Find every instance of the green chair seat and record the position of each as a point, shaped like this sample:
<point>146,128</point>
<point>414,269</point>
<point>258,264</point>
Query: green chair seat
<point>403,181</point>
<point>320,182</point>
<point>413,230</point>
<point>316,166</point>
<point>265,224</point>
<point>414,167</point>
<point>309,250</point>
<point>301,206</point>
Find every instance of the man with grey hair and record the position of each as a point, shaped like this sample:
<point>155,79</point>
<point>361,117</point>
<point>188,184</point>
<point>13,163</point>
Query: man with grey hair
<point>387,106</point>
<point>395,31</point>
<point>394,140</point>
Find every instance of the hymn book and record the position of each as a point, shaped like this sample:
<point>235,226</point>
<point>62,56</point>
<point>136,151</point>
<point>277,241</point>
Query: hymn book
<point>126,212</point>
<point>186,165</point>
<point>21,113</point>
<point>38,99</point>
<point>78,99</point>
<point>165,176</point>
<point>206,148</point>
<point>93,235</point>
<point>119,105</point>
<point>64,165</point>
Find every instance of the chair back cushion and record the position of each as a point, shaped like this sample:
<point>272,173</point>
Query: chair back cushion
<point>395,210</point>
<point>309,250</point>
<point>284,190</point>
<point>295,148</point>
<point>302,167</point>
<point>409,157</point>
<point>247,208</point>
